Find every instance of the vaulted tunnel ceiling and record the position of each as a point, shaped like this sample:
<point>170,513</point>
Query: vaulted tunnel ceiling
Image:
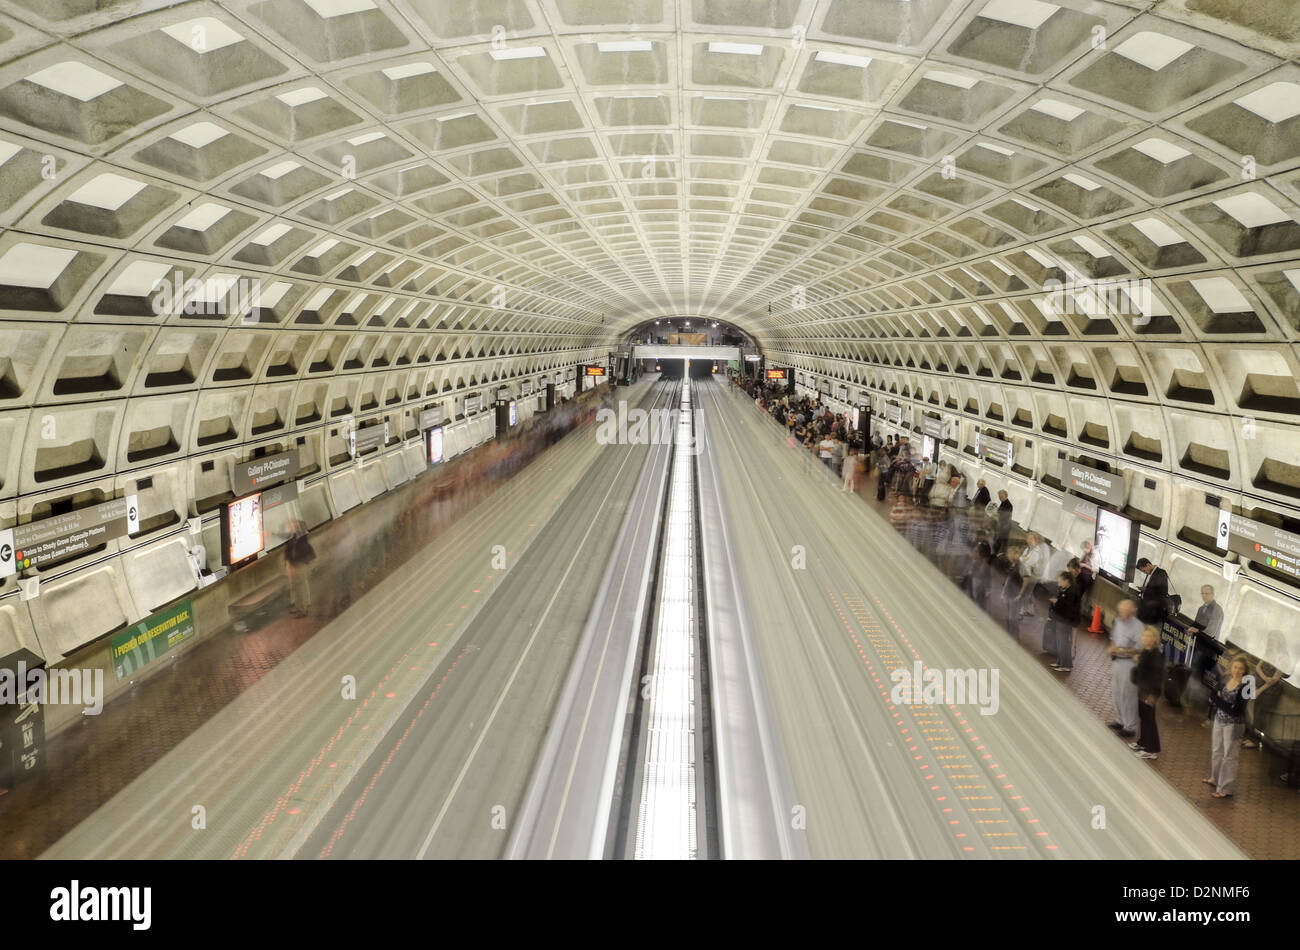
<point>430,195</point>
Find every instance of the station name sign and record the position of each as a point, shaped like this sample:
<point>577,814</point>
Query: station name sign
<point>1106,486</point>
<point>842,394</point>
<point>824,386</point>
<point>1260,543</point>
<point>473,403</point>
<point>526,388</point>
<point>257,474</point>
<point>894,414</point>
<point>26,546</point>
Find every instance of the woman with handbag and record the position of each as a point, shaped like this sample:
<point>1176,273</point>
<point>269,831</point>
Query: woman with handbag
<point>1229,703</point>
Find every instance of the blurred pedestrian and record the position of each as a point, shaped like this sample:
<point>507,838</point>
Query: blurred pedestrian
<point>298,555</point>
<point>1149,677</point>
<point>851,466</point>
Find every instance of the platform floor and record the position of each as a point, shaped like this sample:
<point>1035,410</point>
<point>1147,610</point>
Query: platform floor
<point>837,605</point>
<point>1262,817</point>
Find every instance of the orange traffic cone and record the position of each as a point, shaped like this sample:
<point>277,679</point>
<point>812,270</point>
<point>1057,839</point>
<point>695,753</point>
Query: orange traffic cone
<point>1096,629</point>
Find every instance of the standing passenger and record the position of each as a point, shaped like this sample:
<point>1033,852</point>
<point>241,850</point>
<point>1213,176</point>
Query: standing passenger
<point>1229,724</point>
<point>1209,616</point>
<point>1063,617</point>
<point>1003,530</point>
<point>851,465</point>
<point>1149,676</point>
<point>1126,637</point>
<point>1011,589</point>
<point>298,554</point>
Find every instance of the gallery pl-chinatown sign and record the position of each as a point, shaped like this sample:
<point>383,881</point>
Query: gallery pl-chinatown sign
<point>1086,480</point>
<point>259,473</point>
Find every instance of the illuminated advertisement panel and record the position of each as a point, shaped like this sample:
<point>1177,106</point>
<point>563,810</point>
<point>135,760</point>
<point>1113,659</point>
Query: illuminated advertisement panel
<point>594,370</point>
<point>242,534</point>
<point>435,446</point>
<point>1117,542</point>
<point>776,374</point>
<point>513,414</point>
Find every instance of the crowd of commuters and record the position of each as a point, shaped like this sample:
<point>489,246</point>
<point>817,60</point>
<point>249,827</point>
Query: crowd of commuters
<point>1029,585</point>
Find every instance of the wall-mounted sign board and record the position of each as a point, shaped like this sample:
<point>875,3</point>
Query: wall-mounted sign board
<point>257,474</point>
<point>996,450</point>
<point>26,546</point>
<point>431,418</point>
<point>1261,543</point>
<point>368,439</point>
<point>1093,482</point>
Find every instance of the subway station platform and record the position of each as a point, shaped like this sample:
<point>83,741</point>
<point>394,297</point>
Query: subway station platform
<point>1262,817</point>
<point>219,727</point>
<point>372,439</point>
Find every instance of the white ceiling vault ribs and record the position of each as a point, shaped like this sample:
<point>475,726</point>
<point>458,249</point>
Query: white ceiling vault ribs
<point>427,193</point>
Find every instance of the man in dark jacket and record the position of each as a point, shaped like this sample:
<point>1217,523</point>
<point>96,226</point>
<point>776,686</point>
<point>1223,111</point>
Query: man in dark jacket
<point>1153,604</point>
<point>1003,530</point>
<point>1209,616</point>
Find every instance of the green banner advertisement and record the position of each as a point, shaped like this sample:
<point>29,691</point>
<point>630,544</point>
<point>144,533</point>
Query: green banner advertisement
<point>140,645</point>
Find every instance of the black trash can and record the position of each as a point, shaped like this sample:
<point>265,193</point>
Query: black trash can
<point>22,723</point>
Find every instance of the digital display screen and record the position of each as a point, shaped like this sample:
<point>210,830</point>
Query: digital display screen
<point>513,416</point>
<point>595,371</point>
<point>435,446</point>
<point>243,535</point>
<point>1116,541</point>
<point>776,374</point>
